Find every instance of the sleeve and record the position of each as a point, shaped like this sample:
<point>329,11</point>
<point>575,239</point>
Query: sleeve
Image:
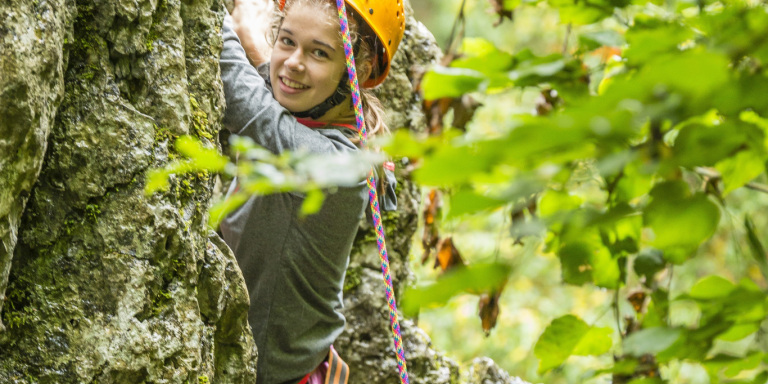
<point>251,109</point>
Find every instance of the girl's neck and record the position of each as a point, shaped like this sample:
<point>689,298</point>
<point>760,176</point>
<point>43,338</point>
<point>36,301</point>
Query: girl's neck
<point>341,114</point>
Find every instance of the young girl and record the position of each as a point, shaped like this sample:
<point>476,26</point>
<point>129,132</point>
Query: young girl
<point>294,268</point>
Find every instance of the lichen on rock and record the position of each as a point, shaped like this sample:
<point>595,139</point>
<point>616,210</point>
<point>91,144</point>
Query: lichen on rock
<point>106,284</point>
<point>31,86</point>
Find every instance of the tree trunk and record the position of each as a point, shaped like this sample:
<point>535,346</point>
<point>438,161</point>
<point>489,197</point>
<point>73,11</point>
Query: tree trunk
<point>109,285</point>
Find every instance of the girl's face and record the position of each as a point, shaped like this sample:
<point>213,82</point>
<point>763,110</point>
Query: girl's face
<point>308,58</point>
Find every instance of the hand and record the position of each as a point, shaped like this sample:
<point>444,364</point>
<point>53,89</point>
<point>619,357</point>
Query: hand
<point>252,21</point>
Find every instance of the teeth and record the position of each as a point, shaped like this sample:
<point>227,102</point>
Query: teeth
<point>293,84</point>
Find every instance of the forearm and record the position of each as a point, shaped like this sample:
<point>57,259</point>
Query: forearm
<point>252,20</point>
<point>251,109</point>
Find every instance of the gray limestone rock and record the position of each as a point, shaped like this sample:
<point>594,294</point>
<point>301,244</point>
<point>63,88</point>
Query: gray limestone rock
<point>107,284</point>
<point>32,63</point>
<point>483,370</point>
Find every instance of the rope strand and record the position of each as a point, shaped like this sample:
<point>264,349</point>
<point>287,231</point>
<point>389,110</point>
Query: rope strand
<point>372,195</point>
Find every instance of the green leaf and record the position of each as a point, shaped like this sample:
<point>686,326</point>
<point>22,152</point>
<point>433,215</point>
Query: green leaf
<point>657,312</point>
<point>482,56</point>
<point>575,260</point>
<point>647,42</point>
<point>635,182</point>
<point>578,14</point>
<point>472,279</point>
<point>588,260</point>
<point>404,143</point>
<point>440,82</point>
<point>650,340</point>
<point>597,39</point>
<point>312,203</point>
<point>543,70</point>
<point>157,180</point>
<point>733,365</point>
<point>740,169</point>
<point>745,364</point>
<point>680,225</point>
<point>648,262</point>
<point>756,246</point>
<point>202,158</point>
<point>762,378</point>
<point>467,201</point>
<point>456,164</point>
<point>596,342</point>
<point>554,201</point>
<point>647,380</point>
<point>221,209</point>
<point>569,335</point>
<point>696,72</point>
<point>739,331</point>
<point>753,118</point>
<point>711,287</point>
<point>703,145</point>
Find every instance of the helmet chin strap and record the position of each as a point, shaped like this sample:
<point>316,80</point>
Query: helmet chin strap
<point>338,96</point>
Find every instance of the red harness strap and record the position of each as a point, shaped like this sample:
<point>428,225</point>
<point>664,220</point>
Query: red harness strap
<point>336,373</point>
<point>319,124</point>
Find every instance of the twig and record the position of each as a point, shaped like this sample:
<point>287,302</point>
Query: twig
<point>713,174</point>
<point>669,290</point>
<point>459,20</point>
<point>617,313</point>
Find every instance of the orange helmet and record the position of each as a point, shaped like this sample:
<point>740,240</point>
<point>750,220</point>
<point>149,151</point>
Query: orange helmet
<point>387,20</point>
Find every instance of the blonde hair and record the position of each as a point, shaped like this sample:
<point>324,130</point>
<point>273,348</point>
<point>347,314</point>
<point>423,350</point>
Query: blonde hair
<point>366,42</point>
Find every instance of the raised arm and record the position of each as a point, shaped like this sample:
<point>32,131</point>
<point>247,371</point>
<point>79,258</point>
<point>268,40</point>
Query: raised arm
<point>252,21</point>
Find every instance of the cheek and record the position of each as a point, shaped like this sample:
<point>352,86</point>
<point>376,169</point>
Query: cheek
<point>336,73</point>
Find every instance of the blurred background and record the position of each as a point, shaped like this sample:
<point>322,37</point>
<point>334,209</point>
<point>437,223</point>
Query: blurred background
<point>535,293</point>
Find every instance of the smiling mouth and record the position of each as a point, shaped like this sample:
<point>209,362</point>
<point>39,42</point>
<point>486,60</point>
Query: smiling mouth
<point>292,84</point>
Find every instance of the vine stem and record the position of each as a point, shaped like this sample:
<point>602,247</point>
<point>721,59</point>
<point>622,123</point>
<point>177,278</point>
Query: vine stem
<point>713,174</point>
<point>617,312</point>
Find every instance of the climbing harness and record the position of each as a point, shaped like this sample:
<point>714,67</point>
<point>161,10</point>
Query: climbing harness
<point>371,181</point>
<point>372,195</point>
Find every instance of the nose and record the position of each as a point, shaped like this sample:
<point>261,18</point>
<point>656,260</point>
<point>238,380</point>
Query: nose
<point>295,62</point>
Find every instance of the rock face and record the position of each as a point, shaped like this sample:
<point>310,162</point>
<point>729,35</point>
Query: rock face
<point>106,284</point>
<point>31,86</point>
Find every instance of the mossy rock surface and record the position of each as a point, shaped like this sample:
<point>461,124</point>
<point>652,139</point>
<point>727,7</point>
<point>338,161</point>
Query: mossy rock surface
<point>107,284</point>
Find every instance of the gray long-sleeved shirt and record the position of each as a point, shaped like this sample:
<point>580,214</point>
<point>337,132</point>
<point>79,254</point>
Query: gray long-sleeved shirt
<point>294,268</point>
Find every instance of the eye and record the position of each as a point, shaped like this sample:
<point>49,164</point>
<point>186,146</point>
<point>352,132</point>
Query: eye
<point>321,53</point>
<point>286,41</point>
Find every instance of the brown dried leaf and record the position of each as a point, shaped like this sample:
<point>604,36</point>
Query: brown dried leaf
<point>547,101</point>
<point>498,8</point>
<point>435,111</point>
<point>447,255</point>
<point>637,299</point>
<point>488,308</point>
<point>464,109</point>
<point>431,214</point>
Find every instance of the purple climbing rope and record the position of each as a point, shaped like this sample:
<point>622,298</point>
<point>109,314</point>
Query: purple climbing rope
<point>372,195</point>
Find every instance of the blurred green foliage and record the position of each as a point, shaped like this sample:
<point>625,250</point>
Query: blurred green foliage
<point>258,171</point>
<point>635,133</point>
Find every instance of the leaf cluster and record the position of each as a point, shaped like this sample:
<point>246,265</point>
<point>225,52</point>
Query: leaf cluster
<point>648,120</point>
